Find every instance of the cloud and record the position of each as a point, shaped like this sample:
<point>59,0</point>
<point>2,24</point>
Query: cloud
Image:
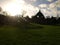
<point>33,0</point>
<point>30,1</point>
<point>50,0</point>
<point>43,6</point>
<point>52,5</point>
<point>49,13</point>
<point>58,3</point>
<point>46,12</point>
<point>49,9</point>
<point>58,13</point>
<point>46,7</point>
<point>30,9</point>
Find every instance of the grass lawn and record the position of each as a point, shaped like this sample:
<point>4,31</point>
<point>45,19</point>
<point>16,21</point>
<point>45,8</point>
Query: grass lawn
<point>33,34</point>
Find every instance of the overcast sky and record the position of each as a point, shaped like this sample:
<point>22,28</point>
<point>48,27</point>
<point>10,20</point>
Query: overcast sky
<point>48,7</point>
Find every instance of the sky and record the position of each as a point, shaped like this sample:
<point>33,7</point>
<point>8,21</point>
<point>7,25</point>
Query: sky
<point>31,7</point>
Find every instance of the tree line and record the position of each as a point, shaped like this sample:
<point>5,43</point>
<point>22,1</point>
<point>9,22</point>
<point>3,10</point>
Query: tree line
<point>38,18</point>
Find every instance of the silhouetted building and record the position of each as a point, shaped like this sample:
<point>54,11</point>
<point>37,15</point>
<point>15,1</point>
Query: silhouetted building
<point>38,18</point>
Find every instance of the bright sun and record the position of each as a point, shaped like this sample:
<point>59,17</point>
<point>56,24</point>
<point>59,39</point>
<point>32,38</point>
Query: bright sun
<point>13,8</point>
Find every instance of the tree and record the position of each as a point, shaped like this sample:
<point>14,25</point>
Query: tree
<point>5,13</point>
<point>23,13</point>
<point>27,19</point>
<point>3,19</point>
<point>0,9</point>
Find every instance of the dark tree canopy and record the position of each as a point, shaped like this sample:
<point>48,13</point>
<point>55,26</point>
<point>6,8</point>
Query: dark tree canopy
<point>0,9</point>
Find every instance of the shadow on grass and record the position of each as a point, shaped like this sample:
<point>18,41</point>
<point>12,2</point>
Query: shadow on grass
<point>55,25</point>
<point>51,24</point>
<point>30,26</point>
<point>36,27</point>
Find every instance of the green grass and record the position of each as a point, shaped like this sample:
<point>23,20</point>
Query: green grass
<point>33,34</point>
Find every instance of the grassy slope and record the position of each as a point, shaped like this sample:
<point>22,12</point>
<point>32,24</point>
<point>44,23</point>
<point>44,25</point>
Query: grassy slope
<point>33,34</point>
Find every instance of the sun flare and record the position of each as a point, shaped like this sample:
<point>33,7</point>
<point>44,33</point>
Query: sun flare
<point>14,8</point>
